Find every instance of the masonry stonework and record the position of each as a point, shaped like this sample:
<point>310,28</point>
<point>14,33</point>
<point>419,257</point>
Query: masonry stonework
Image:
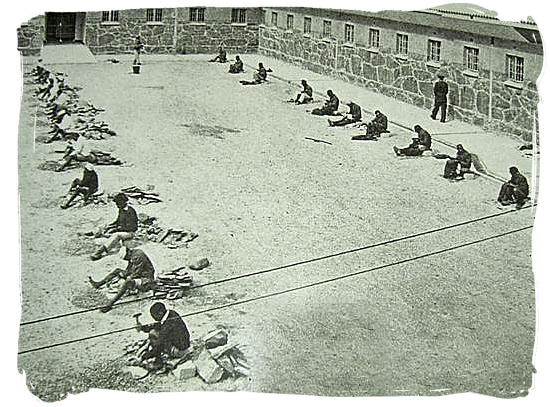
<point>30,36</point>
<point>410,80</point>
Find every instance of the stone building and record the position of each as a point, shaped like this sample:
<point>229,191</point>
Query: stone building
<point>168,30</point>
<point>491,66</point>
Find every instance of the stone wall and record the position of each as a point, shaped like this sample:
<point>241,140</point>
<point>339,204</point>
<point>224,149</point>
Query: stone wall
<point>206,38</point>
<point>410,80</point>
<point>30,36</point>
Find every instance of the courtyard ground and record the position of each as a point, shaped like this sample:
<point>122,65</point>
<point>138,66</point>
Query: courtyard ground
<point>233,164</point>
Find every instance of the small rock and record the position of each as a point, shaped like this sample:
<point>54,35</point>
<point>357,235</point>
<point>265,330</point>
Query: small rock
<point>199,264</point>
<point>215,338</point>
<point>208,369</point>
<point>136,372</point>
<point>185,371</point>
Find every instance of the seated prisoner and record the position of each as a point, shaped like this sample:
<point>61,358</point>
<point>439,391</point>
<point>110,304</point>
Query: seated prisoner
<point>330,107</point>
<point>378,125</point>
<point>138,275</point>
<point>419,144</point>
<point>353,116</point>
<point>122,229</point>
<point>463,159</point>
<point>168,335</point>
<point>305,96</point>
<point>260,76</point>
<point>77,150</point>
<point>85,186</point>
<point>221,57</point>
<point>238,66</point>
<point>514,191</point>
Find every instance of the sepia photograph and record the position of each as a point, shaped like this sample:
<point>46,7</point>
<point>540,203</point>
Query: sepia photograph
<point>326,200</point>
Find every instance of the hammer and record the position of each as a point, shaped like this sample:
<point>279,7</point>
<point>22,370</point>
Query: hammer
<point>136,316</point>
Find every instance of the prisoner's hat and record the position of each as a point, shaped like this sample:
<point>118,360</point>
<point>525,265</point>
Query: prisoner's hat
<point>120,197</point>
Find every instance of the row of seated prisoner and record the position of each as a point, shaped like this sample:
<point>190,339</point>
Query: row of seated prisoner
<point>260,76</point>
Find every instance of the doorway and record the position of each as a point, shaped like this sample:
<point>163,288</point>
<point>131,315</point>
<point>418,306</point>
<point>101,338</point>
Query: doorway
<point>65,27</point>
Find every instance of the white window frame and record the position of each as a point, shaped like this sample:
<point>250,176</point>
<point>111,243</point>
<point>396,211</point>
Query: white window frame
<point>327,23</point>
<point>197,15</point>
<point>238,16</point>
<point>290,22</point>
<point>372,45</point>
<point>471,54</point>
<point>400,39</point>
<point>113,17</point>
<point>515,68</point>
<point>308,21</point>
<point>274,16</point>
<point>349,28</point>
<point>431,58</point>
<point>154,16</point>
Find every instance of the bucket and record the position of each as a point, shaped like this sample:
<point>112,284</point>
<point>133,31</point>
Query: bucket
<point>136,68</point>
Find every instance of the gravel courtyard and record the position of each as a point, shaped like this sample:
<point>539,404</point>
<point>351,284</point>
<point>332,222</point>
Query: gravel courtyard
<point>233,163</point>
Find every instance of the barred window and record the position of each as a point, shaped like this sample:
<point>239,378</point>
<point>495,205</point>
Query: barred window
<point>327,29</point>
<point>515,68</point>
<point>196,15</point>
<point>289,22</point>
<point>471,58</point>
<point>402,44</point>
<point>109,16</point>
<point>238,15</point>
<point>434,50</point>
<point>349,33</point>
<point>154,15</point>
<point>374,38</point>
<point>307,25</point>
<point>274,18</point>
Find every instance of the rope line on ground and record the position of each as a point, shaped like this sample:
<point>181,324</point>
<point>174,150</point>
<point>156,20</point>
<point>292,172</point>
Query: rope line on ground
<point>289,290</point>
<point>290,265</point>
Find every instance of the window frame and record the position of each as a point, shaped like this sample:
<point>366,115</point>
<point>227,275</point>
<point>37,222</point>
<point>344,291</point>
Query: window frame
<point>430,55</point>
<point>153,16</point>
<point>370,42</point>
<point>197,15</point>
<point>113,17</point>
<point>274,19</point>
<point>349,28</point>
<point>399,45</point>
<point>466,58</point>
<point>238,14</point>
<point>329,25</point>
<point>290,22</point>
<point>512,65</point>
<point>307,25</point>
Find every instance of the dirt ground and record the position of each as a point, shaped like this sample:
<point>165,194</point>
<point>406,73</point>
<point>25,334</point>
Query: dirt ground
<point>233,164</point>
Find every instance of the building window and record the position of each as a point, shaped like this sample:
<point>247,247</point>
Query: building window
<point>154,15</point>
<point>274,17</point>
<point>515,68</point>
<point>110,16</point>
<point>307,25</point>
<point>434,51</point>
<point>327,29</point>
<point>289,22</point>
<point>238,15</point>
<point>402,44</point>
<point>349,34</point>
<point>196,15</point>
<point>374,38</point>
<point>471,58</point>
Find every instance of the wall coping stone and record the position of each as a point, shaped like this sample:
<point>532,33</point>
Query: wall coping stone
<point>113,23</point>
<point>470,73</point>
<point>514,85</point>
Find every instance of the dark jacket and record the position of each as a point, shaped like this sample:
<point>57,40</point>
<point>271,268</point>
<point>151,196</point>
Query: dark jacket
<point>333,103</point>
<point>440,91</point>
<point>464,158</point>
<point>308,90</point>
<point>139,265</point>
<point>355,111</point>
<point>171,332</point>
<point>90,180</point>
<point>127,220</point>
<point>381,121</point>
<point>425,139</point>
<point>520,182</point>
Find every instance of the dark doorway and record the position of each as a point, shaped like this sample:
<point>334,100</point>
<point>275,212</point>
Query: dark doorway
<point>60,27</point>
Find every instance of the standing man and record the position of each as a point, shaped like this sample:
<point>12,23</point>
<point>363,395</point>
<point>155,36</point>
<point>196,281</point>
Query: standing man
<point>440,98</point>
<point>139,274</point>
<point>123,228</point>
<point>138,49</point>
